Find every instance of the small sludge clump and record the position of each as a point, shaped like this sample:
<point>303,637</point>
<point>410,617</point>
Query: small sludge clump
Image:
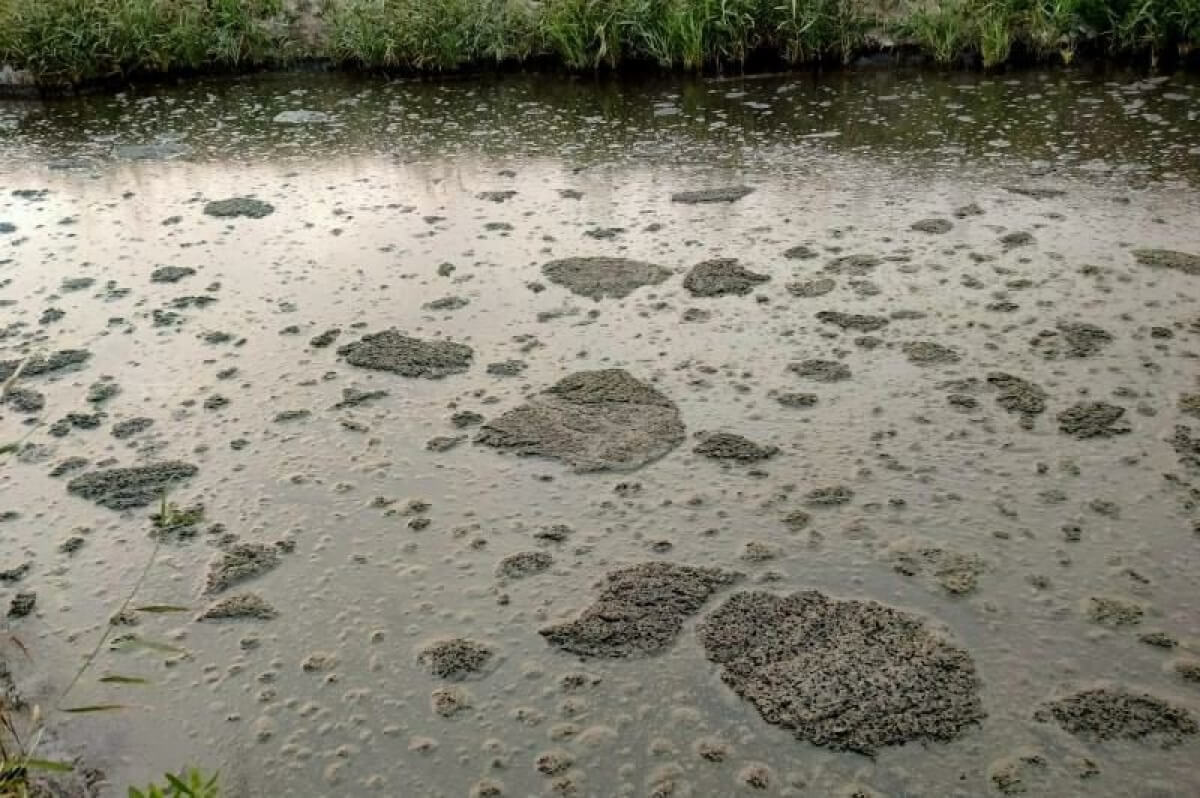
<point>456,658</point>
<point>393,351</point>
<point>847,675</point>
<point>721,276</point>
<point>600,278</point>
<point>123,488</point>
<point>1103,713</point>
<point>640,611</point>
<point>239,206</point>
<point>593,421</point>
<point>239,563</point>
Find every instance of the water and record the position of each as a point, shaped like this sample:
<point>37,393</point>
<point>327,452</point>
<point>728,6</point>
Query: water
<point>371,201</point>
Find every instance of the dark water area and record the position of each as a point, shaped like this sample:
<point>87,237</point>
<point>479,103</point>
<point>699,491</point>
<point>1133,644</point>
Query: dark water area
<point>792,435</point>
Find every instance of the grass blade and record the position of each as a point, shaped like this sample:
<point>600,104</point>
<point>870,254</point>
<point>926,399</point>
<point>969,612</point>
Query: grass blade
<point>162,608</point>
<point>48,765</point>
<point>132,642</point>
<point>116,678</point>
<point>95,708</point>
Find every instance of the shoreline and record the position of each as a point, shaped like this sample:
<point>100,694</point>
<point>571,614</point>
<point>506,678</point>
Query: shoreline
<point>67,47</point>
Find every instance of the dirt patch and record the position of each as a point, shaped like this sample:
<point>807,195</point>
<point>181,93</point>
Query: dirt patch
<point>710,195</point>
<point>1116,713</point>
<point>847,675</point>
<point>720,277</point>
<point>400,354</point>
<point>728,446</point>
<point>1071,339</point>
<point>123,488</point>
<point>1092,420</point>
<point>239,206</point>
<point>928,353</point>
<point>821,370</point>
<point>455,658</point>
<point>600,278</point>
<point>239,563</point>
<point>852,321</point>
<point>243,606</point>
<point>810,289</point>
<point>1168,259</point>
<point>640,610</point>
<point>833,496</point>
<point>593,421</point>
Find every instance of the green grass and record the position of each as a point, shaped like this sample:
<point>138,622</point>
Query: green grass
<point>73,41</point>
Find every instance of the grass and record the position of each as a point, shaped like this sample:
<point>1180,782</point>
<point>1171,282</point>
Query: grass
<point>75,41</point>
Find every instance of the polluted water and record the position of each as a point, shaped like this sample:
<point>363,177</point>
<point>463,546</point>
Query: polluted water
<point>797,435</point>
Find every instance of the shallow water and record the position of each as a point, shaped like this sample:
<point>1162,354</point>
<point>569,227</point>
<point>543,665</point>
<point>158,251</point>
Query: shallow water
<point>370,202</point>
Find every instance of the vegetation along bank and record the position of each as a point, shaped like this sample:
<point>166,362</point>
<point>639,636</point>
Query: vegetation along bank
<point>56,42</point>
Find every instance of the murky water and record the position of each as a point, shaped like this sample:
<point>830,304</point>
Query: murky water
<point>387,182</point>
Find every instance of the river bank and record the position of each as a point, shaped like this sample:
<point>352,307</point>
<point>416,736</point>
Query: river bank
<point>64,44</point>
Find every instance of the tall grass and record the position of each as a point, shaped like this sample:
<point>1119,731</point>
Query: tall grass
<point>79,40</point>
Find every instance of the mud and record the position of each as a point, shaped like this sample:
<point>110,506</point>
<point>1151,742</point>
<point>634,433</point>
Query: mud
<point>1113,713</point>
<point>126,488</point>
<point>593,421</point>
<point>1093,420</point>
<point>640,611</point>
<point>602,278</point>
<point>846,675</point>
<point>712,195</point>
<point>728,446</point>
<point>393,351</point>
<point>721,277</point>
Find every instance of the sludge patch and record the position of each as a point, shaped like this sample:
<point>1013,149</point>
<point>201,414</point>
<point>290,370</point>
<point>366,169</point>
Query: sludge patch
<point>592,420</point>
<point>640,611</point>
<point>846,675</point>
